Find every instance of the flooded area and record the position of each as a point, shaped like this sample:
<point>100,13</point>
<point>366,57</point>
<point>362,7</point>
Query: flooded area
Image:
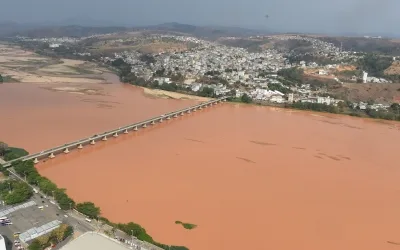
<point>249,177</point>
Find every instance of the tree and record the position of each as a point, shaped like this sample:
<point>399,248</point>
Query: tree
<point>63,200</point>
<point>1,79</point>
<point>3,146</point>
<point>35,245</point>
<point>19,192</point>
<point>246,98</point>
<point>89,209</point>
<point>68,232</point>
<point>47,186</point>
<point>207,92</point>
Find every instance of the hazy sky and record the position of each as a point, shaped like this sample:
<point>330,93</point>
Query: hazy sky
<point>324,16</point>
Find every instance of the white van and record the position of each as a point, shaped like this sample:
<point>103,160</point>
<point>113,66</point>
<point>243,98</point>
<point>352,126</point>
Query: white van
<point>88,220</point>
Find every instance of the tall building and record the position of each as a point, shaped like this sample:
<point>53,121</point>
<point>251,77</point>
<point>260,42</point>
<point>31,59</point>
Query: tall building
<point>365,76</point>
<point>290,98</point>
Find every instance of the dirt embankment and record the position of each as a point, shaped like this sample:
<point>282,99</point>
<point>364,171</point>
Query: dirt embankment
<point>394,69</point>
<point>380,93</point>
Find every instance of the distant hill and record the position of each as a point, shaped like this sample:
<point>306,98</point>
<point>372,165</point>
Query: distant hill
<point>57,30</point>
<point>69,31</point>
<point>7,28</point>
<point>203,31</point>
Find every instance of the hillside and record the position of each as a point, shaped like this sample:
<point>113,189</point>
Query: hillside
<point>212,32</point>
<point>69,31</point>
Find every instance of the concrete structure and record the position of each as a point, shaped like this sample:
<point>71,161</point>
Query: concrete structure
<point>51,153</point>
<point>92,240</point>
<point>365,76</point>
<point>2,243</point>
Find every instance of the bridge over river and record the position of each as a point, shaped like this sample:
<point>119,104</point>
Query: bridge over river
<point>51,153</point>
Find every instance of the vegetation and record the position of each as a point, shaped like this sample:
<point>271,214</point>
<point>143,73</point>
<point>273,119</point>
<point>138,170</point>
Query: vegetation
<point>1,79</point>
<point>14,192</point>
<point>88,209</point>
<point>375,64</point>
<point>313,106</point>
<point>246,99</point>
<point>56,236</point>
<point>186,225</point>
<point>3,148</point>
<point>10,153</point>
<point>294,75</point>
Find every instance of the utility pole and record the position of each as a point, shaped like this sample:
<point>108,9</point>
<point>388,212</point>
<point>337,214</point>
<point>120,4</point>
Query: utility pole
<point>132,238</point>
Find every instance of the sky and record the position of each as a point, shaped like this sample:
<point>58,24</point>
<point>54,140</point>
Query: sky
<point>314,16</point>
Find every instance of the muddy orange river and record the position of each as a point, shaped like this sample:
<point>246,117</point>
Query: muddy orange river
<point>249,177</point>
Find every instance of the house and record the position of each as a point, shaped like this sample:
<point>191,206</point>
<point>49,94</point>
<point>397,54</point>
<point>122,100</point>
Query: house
<point>322,72</point>
<point>196,87</point>
<point>277,99</point>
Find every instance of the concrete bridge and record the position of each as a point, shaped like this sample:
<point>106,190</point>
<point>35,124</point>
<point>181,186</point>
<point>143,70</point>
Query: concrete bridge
<point>51,153</point>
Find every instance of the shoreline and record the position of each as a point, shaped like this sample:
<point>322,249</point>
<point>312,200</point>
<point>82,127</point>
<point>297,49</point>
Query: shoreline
<point>158,93</point>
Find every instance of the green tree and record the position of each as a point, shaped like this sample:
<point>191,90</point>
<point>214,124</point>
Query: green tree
<point>68,232</point>
<point>89,209</point>
<point>207,92</point>
<point>35,245</point>
<point>1,79</point>
<point>63,200</point>
<point>20,192</point>
<point>47,186</point>
<point>246,98</point>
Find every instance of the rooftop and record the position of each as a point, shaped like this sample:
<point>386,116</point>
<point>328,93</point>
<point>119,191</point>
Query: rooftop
<point>94,241</point>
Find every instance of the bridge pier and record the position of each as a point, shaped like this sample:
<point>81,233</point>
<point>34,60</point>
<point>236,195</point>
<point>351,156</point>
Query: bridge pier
<point>104,138</point>
<point>115,134</point>
<point>188,111</point>
<point>194,109</point>
<point>200,108</point>
<point>175,116</point>
<point>125,131</point>
<point>35,161</point>
<point>161,120</point>
<point>152,122</point>
<point>51,156</point>
<point>168,117</point>
<point>136,129</point>
<point>66,151</point>
<point>144,125</point>
<point>92,142</point>
<point>80,146</point>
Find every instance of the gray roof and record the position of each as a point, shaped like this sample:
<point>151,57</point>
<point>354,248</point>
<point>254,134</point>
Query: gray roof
<point>9,210</point>
<point>39,231</point>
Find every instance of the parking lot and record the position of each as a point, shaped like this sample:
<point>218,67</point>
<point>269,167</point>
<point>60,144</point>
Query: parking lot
<point>29,217</point>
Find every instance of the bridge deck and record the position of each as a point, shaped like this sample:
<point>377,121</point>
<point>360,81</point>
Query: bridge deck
<point>87,140</point>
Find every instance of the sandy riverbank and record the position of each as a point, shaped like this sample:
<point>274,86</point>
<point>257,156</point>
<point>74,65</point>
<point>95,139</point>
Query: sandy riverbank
<point>28,67</point>
<point>172,95</point>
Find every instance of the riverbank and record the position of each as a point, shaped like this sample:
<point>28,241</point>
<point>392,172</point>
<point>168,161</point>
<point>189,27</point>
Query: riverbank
<point>89,209</point>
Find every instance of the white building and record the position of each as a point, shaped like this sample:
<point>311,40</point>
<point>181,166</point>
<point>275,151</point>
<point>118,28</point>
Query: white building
<point>365,76</point>
<point>2,243</point>
<point>277,99</point>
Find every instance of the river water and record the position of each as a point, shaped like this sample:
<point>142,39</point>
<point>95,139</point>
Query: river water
<point>250,177</point>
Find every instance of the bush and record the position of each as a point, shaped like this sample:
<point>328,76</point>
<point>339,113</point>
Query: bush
<point>246,99</point>
<point>88,209</point>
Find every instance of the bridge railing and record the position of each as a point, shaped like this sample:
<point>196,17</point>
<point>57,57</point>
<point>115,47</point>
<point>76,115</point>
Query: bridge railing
<point>110,132</point>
